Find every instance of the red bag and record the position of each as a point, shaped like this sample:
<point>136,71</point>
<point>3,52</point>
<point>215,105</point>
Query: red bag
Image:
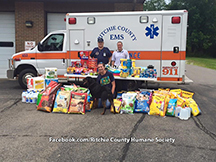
<point>48,96</point>
<point>77,103</point>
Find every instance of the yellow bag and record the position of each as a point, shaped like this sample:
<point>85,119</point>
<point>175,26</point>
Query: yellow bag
<point>162,89</point>
<point>181,102</point>
<point>157,106</point>
<point>187,94</point>
<point>173,95</point>
<point>117,105</point>
<point>194,107</point>
<point>177,91</point>
<point>62,101</point>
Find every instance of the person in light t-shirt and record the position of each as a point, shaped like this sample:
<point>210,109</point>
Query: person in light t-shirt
<point>120,53</point>
<point>117,55</point>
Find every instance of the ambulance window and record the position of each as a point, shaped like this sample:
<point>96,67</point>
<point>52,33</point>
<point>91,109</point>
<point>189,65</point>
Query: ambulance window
<point>54,42</point>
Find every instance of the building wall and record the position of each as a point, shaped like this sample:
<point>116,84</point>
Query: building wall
<point>25,11</point>
<point>128,7</point>
<point>7,6</point>
<point>36,12</point>
<point>78,7</point>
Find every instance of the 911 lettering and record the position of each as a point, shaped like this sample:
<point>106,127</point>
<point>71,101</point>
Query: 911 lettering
<point>170,70</point>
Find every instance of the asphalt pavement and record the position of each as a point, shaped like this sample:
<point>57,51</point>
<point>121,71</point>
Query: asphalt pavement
<point>30,135</point>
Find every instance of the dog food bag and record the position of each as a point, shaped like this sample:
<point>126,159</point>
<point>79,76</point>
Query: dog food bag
<point>176,91</point>
<point>119,94</point>
<point>40,93</point>
<point>48,97</point>
<point>81,90</point>
<point>162,89</point>
<point>70,87</point>
<point>142,102</point>
<point>173,95</point>
<point>157,106</point>
<point>77,103</point>
<point>171,107</point>
<point>88,106</point>
<point>187,94</point>
<point>128,100</point>
<point>141,106</point>
<point>47,81</point>
<point>117,105</point>
<point>195,110</point>
<point>181,102</point>
<point>62,101</point>
<point>89,102</point>
<point>46,103</point>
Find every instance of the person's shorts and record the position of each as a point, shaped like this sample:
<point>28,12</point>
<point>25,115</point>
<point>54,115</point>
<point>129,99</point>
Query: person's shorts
<point>108,104</point>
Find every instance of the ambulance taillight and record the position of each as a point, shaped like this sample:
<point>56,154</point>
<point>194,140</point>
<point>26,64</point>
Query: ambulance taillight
<point>72,20</point>
<point>176,20</point>
<point>173,63</point>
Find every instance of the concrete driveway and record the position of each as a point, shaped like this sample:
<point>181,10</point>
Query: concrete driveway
<point>30,135</point>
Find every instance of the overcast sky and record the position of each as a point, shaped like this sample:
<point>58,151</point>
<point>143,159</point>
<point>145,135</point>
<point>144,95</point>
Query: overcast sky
<point>167,1</point>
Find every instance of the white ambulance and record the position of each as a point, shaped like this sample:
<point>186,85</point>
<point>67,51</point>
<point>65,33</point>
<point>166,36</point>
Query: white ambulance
<point>155,38</point>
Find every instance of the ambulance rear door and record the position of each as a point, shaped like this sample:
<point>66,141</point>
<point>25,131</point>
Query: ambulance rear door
<point>171,48</point>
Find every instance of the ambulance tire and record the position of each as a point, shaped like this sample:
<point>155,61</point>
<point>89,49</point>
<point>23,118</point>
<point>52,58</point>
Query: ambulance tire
<point>22,79</point>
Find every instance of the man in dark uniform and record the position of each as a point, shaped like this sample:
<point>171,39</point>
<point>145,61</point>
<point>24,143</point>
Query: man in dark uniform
<point>102,53</point>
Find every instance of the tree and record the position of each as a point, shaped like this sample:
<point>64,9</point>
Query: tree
<point>154,5</point>
<point>202,24</point>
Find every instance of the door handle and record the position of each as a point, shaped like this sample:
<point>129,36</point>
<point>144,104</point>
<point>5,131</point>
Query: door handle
<point>63,61</point>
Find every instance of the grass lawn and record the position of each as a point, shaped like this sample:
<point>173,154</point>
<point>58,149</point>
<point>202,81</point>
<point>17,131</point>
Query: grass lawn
<point>204,62</point>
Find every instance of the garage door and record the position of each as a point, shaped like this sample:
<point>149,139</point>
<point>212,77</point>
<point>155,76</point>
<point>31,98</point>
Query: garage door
<point>7,40</point>
<point>55,21</point>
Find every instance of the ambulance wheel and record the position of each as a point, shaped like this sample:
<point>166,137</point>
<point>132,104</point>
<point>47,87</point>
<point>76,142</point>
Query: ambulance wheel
<point>26,73</point>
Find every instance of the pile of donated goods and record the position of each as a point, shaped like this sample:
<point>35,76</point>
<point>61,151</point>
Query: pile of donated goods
<point>88,66</point>
<point>50,96</point>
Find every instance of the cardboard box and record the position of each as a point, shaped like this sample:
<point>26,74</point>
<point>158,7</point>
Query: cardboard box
<point>50,73</point>
<point>36,83</point>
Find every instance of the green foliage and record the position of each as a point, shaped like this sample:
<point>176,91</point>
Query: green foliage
<point>201,33</point>
<point>202,24</point>
<point>154,5</point>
